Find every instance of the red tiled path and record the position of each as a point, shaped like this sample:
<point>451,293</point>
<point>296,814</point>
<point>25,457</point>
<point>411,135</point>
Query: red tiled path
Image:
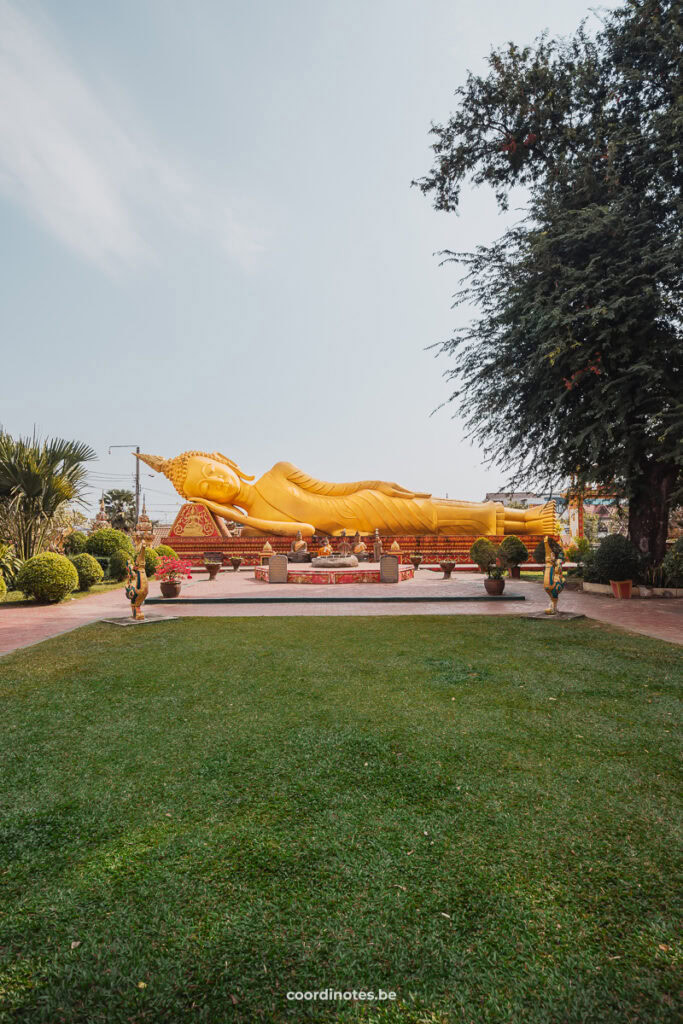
<point>661,618</point>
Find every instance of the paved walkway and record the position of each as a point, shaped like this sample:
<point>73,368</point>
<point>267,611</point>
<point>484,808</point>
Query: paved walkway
<point>21,626</point>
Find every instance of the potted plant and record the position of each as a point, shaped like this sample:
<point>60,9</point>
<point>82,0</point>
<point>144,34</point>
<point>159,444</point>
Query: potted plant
<point>170,573</point>
<point>483,553</point>
<point>513,552</point>
<point>415,557</point>
<point>448,565</point>
<point>618,561</point>
<point>495,581</point>
<point>235,562</point>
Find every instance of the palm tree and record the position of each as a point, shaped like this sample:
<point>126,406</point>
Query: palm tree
<point>37,479</point>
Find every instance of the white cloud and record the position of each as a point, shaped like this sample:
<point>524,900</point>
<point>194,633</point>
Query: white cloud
<point>72,162</point>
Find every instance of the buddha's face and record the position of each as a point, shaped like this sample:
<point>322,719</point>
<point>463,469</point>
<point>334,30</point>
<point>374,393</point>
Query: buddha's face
<point>211,480</point>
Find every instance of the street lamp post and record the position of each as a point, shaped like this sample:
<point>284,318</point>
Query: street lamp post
<point>137,474</point>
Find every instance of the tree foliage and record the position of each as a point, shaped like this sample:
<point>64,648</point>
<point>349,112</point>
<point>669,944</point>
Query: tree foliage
<point>38,480</point>
<point>573,368</point>
<point>120,508</point>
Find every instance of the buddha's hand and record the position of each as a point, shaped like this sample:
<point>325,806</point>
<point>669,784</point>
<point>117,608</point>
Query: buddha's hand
<point>282,529</point>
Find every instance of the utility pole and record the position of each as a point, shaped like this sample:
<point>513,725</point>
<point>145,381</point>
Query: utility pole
<point>137,474</point>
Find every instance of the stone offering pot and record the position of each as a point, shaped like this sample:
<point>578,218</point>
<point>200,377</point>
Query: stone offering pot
<point>415,559</point>
<point>448,567</point>
<point>235,563</point>
<point>213,569</point>
<point>494,586</point>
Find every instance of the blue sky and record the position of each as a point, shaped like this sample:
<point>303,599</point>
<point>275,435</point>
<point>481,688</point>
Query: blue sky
<point>209,238</point>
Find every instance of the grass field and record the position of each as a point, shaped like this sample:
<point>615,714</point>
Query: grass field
<point>197,817</point>
<point>16,597</point>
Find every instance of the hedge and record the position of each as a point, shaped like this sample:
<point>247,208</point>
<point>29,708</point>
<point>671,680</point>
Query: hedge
<point>89,570</point>
<point>483,553</point>
<point>47,577</point>
<point>105,542</point>
<point>75,543</point>
<point>117,564</point>
<point>164,549</point>
<point>616,558</point>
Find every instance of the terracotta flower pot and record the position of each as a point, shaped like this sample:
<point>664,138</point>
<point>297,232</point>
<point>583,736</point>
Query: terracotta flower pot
<point>235,563</point>
<point>213,568</point>
<point>448,568</point>
<point>494,586</point>
<point>170,588</point>
<point>621,589</point>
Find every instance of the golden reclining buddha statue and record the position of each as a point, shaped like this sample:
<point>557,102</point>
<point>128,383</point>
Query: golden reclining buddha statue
<point>285,500</point>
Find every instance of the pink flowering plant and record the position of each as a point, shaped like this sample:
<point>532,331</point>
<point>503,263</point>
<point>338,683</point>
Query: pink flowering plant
<point>172,570</point>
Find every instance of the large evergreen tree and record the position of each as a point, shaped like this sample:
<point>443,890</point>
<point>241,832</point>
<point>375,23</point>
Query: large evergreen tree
<point>574,367</point>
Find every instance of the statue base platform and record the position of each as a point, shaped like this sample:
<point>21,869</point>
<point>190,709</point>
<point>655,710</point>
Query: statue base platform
<point>196,531</point>
<point>368,573</point>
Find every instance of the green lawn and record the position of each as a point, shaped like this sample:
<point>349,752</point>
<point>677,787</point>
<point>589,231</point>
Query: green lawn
<point>16,597</point>
<point>199,816</point>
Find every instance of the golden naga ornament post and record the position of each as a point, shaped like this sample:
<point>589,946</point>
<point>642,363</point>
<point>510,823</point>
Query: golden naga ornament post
<point>137,587</point>
<point>553,576</point>
<point>285,500</point>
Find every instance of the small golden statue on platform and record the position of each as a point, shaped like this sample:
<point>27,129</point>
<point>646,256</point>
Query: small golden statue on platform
<point>326,549</point>
<point>137,587</point>
<point>360,548</point>
<point>298,550</point>
<point>553,577</point>
<point>344,546</point>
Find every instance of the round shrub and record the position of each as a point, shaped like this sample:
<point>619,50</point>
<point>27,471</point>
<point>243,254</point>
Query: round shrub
<point>47,577</point>
<point>483,552</point>
<point>106,542</point>
<point>117,564</point>
<point>75,543</point>
<point>3,589</point>
<point>89,570</point>
<point>165,550</point>
<point>672,566</point>
<point>513,551</point>
<point>151,561</point>
<point>616,559</point>
<point>579,549</point>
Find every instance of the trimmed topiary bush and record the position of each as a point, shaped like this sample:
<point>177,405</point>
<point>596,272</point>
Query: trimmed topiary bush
<point>165,550</point>
<point>578,550</point>
<point>672,566</point>
<point>118,563</point>
<point>75,543</point>
<point>3,589</point>
<point>103,564</point>
<point>513,551</point>
<point>483,553</point>
<point>47,577</point>
<point>106,542</point>
<point>89,570</point>
<point>616,559</point>
<point>152,559</point>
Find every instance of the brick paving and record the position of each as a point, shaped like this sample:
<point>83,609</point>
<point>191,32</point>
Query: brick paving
<point>21,626</point>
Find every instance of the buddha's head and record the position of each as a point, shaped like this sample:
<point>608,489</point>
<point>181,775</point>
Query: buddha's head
<point>208,475</point>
